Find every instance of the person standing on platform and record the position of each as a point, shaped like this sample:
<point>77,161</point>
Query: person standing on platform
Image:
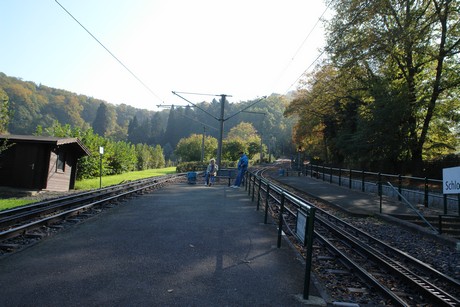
<point>211,172</point>
<point>242,168</point>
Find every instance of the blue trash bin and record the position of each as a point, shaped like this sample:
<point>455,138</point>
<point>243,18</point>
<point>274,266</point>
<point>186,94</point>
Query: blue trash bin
<point>281,172</point>
<point>191,177</point>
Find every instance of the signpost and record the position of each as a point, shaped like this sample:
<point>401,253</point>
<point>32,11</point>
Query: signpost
<point>101,152</point>
<point>451,180</point>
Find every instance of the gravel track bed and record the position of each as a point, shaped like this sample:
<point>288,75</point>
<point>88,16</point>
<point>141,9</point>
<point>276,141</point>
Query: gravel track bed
<point>437,253</point>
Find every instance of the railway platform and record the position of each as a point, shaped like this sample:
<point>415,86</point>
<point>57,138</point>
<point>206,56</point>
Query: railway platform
<point>359,203</point>
<point>181,245</point>
<point>353,201</point>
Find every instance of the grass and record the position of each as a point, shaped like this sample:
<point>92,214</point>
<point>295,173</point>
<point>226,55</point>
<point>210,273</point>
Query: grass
<point>93,183</point>
<point>14,202</point>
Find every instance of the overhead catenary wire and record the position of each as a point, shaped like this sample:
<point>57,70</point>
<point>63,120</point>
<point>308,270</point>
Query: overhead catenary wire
<point>118,60</point>
<point>298,78</point>
<point>322,52</point>
<point>300,47</point>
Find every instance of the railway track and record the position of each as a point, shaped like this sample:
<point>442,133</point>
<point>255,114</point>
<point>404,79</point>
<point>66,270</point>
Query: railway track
<point>364,264</point>
<point>24,222</point>
<point>374,271</point>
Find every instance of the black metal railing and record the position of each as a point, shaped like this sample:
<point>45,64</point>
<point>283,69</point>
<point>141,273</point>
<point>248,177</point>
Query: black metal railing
<point>425,191</point>
<point>288,205</point>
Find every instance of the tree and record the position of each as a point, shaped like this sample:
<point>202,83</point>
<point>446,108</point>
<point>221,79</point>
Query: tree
<point>156,129</point>
<point>412,48</point>
<point>4,119</point>
<point>101,124</point>
<point>232,147</point>
<point>244,133</point>
<point>4,111</point>
<point>158,158</point>
<point>189,149</point>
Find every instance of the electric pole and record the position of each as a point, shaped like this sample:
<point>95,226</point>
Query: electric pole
<point>221,133</point>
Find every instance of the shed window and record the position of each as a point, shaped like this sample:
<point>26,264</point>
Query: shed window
<point>60,166</point>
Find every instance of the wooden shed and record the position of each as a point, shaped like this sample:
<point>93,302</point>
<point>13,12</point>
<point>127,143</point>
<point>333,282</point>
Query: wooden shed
<point>40,163</point>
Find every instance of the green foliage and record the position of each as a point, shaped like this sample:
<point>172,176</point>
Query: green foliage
<point>123,157</point>
<point>14,202</point>
<point>32,105</point>
<point>119,157</point>
<point>196,166</point>
<point>4,111</point>
<point>231,149</point>
<point>190,149</point>
<point>102,122</point>
<point>387,92</point>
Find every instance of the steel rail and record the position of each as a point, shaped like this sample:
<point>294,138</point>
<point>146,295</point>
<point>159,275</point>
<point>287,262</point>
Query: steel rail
<point>420,283</point>
<point>435,293</point>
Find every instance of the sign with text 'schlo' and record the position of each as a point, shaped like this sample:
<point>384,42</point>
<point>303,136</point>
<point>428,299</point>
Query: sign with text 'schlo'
<point>451,180</point>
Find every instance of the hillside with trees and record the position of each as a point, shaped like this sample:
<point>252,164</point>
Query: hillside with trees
<point>385,97</point>
<point>38,109</point>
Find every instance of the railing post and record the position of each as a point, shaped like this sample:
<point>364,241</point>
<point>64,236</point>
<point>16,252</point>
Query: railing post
<point>330,178</point>
<point>349,183</point>
<point>399,186</point>
<point>425,199</point>
<point>380,190</point>
<point>259,192</point>
<point>267,199</point>
<point>440,224</point>
<point>248,187</point>
<point>340,176</point>
<point>458,202</point>
<point>324,171</point>
<point>253,187</point>
<point>246,179</point>
<point>445,203</point>
<point>362,181</point>
<point>280,221</point>
<point>308,243</point>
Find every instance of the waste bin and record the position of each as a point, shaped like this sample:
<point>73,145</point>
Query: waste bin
<point>191,177</point>
<point>281,171</point>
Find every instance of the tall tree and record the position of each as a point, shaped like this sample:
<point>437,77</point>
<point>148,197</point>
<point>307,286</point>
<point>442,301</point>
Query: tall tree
<point>101,124</point>
<point>4,112</point>
<point>415,44</point>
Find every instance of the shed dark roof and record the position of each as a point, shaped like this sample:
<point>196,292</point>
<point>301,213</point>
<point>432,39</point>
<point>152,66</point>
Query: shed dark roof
<point>46,140</point>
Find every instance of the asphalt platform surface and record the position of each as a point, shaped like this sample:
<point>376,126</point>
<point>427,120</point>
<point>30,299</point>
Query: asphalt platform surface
<point>352,201</point>
<point>181,245</point>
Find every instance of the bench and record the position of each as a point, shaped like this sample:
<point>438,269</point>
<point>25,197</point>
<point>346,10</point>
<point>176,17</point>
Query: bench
<point>229,173</point>
<point>292,172</point>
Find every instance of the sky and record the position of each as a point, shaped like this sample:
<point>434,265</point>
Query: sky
<point>245,49</point>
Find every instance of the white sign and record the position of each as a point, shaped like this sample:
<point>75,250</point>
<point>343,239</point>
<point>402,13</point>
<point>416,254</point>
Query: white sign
<point>451,180</point>
<point>301,224</point>
<point>101,150</point>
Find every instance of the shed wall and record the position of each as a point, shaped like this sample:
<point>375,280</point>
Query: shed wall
<point>58,180</point>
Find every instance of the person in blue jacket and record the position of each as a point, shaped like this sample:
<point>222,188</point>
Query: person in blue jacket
<point>242,168</point>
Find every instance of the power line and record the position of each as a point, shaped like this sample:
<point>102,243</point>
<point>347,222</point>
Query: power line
<point>301,46</point>
<point>199,94</point>
<point>121,63</point>
<point>304,72</point>
<point>322,52</point>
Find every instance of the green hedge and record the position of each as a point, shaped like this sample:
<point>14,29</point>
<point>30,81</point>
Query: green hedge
<point>184,167</point>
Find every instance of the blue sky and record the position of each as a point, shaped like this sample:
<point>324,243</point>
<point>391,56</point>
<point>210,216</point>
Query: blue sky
<point>242,48</point>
